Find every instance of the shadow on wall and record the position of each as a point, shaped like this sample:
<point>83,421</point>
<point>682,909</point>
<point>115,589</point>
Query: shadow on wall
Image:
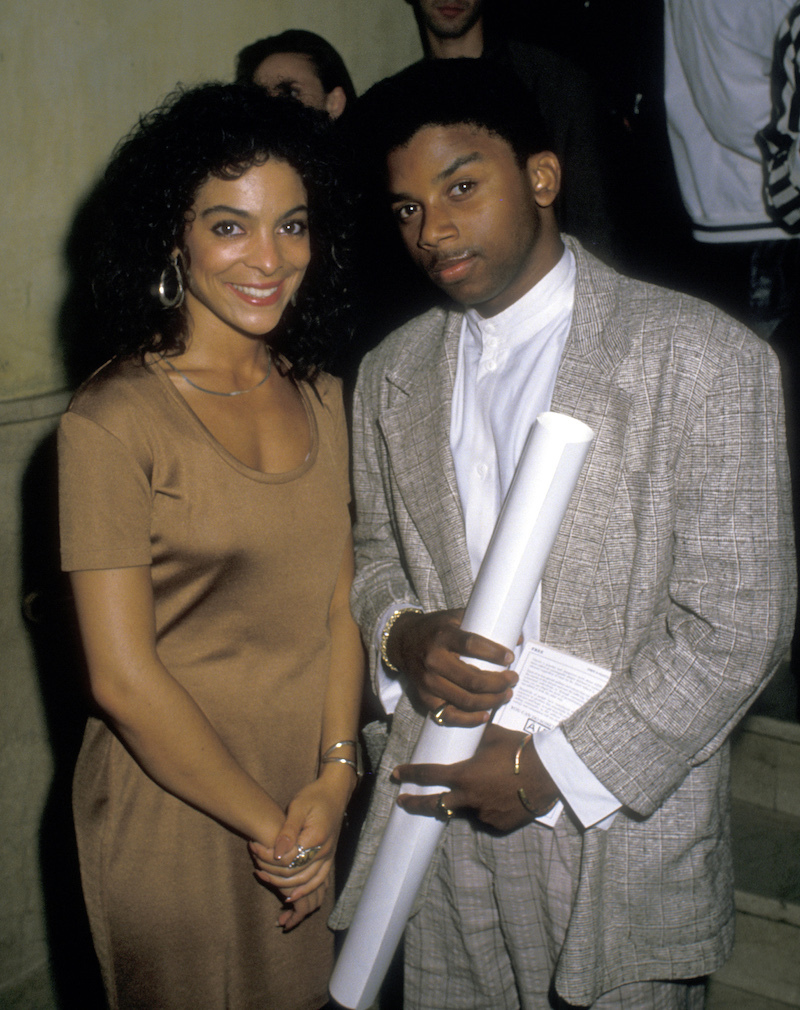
<point>53,634</point>
<point>47,608</point>
<point>80,336</point>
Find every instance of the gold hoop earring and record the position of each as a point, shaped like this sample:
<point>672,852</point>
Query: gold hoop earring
<point>175,300</point>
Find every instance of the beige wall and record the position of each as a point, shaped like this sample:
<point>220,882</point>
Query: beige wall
<point>74,76</point>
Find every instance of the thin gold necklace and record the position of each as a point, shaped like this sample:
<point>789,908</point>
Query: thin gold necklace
<point>216,392</point>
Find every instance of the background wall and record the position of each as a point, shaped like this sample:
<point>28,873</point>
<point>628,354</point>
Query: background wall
<point>75,77</point>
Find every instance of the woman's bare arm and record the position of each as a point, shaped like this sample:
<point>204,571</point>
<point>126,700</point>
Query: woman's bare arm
<point>156,718</point>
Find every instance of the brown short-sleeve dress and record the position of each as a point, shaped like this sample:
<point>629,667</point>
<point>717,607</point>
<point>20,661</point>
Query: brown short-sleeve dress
<point>243,566</point>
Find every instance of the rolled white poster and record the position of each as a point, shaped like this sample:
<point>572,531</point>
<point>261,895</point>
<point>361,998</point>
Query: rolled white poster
<point>509,576</point>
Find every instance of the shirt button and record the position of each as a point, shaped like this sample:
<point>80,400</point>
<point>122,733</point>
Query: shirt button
<point>481,469</point>
<point>491,366</point>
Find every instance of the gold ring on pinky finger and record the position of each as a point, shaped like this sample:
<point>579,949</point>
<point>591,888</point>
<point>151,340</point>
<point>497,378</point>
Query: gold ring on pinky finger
<point>443,812</point>
<point>438,715</point>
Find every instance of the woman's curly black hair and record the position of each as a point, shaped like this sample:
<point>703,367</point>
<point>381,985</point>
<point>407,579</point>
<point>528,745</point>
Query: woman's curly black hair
<point>150,185</point>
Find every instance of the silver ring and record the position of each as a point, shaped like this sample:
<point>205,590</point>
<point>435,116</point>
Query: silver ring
<point>304,856</point>
<point>443,812</point>
<point>437,715</point>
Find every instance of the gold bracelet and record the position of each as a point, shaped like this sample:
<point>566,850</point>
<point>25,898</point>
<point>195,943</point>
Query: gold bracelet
<point>534,811</point>
<point>518,756</point>
<point>387,630</point>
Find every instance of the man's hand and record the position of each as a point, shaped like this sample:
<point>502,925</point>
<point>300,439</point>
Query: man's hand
<point>428,647</point>
<point>486,783</point>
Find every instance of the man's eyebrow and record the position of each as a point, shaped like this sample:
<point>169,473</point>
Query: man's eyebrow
<point>451,169</point>
<point>464,159</point>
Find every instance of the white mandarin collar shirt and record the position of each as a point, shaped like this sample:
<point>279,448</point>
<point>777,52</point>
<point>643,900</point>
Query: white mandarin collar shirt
<point>506,371</point>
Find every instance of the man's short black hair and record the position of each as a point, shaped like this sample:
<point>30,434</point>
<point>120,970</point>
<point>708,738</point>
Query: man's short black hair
<point>479,92</point>
<point>328,64</point>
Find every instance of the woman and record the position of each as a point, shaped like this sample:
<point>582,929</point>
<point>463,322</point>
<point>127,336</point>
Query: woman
<point>300,64</point>
<point>204,521</point>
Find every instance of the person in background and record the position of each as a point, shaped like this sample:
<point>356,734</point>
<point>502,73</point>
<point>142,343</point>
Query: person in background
<point>673,569</point>
<point>718,57</point>
<point>299,64</point>
<point>780,146</point>
<point>780,138</point>
<point>205,526</point>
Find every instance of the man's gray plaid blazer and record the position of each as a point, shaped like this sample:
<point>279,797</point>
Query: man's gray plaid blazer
<point>674,568</point>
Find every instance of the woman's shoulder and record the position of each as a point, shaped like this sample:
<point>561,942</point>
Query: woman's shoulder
<point>117,390</point>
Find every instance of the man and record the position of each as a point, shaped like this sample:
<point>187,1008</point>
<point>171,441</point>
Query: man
<point>450,28</point>
<point>673,569</point>
<point>566,99</point>
<point>301,65</point>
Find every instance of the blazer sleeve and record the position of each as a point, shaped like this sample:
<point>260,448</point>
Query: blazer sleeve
<point>380,580</point>
<point>729,610</point>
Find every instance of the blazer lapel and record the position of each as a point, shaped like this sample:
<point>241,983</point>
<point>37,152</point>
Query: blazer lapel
<point>585,389</point>
<point>416,428</point>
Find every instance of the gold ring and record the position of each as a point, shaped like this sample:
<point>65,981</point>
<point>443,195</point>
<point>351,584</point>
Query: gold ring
<point>304,856</point>
<point>443,812</point>
<point>437,715</point>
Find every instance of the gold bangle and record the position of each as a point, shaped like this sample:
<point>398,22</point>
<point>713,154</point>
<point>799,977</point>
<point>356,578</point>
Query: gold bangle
<point>534,811</point>
<point>518,756</point>
<point>387,630</point>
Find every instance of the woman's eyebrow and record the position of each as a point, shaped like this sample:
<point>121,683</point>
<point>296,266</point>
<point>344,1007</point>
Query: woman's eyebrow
<point>223,208</point>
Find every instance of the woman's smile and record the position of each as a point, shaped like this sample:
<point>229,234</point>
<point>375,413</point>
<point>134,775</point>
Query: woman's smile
<point>258,294</point>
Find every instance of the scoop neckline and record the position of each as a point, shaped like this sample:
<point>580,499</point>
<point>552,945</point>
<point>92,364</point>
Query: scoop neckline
<point>282,477</point>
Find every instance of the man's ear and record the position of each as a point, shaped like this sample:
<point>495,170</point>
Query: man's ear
<point>335,102</point>
<point>544,171</point>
